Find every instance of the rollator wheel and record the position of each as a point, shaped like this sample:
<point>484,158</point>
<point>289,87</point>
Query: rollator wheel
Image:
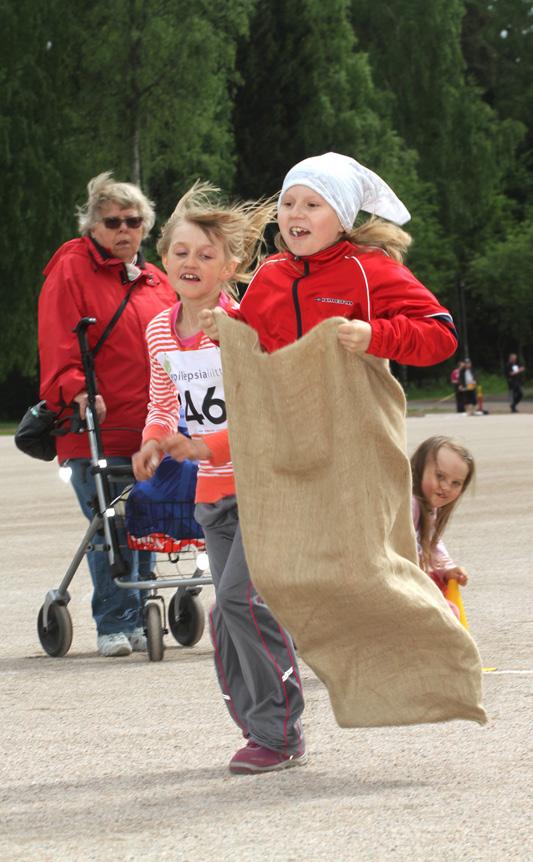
<point>188,628</point>
<point>56,638</point>
<point>154,631</point>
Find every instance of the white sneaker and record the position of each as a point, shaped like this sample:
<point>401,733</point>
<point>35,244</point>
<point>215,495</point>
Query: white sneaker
<point>113,644</point>
<point>137,640</point>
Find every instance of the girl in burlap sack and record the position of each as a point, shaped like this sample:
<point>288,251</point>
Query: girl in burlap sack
<point>327,267</point>
<point>289,478</point>
<point>206,247</point>
<point>442,471</point>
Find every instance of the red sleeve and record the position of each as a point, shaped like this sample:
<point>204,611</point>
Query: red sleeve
<point>60,309</point>
<point>408,323</point>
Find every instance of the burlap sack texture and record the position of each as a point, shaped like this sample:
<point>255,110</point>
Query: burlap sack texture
<point>324,491</point>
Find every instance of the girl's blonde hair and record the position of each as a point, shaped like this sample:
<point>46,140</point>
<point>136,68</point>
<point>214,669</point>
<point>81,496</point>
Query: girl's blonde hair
<point>429,531</point>
<point>104,190</point>
<point>239,226</point>
<point>372,233</point>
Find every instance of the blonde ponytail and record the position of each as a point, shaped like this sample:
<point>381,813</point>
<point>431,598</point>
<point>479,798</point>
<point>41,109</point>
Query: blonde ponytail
<point>377,233</point>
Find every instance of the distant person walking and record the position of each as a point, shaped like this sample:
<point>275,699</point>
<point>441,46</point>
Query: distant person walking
<point>468,387</point>
<point>455,381</point>
<point>513,374</point>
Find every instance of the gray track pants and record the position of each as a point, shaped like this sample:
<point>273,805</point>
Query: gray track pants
<point>254,656</point>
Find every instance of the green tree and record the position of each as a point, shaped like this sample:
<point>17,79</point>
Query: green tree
<point>497,44</point>
<point>464,148</point>
<point>158,91</point>
<point>140,87</point>
<point>501,281</point>
<point>308,89</point>
<point>39,165</point>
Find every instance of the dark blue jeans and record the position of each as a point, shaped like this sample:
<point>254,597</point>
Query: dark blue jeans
<point>114,609</point>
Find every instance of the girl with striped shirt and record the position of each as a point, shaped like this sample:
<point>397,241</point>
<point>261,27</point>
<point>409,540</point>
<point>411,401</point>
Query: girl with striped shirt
<point>206,247</point>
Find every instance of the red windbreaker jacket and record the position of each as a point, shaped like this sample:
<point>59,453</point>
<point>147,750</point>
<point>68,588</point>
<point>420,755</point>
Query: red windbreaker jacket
<point>81,281</point>
<point>289,295</point>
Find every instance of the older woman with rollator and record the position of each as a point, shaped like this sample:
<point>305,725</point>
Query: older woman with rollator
<point>91,276</point>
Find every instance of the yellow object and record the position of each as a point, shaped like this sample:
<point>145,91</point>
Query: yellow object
<point>453,594</point>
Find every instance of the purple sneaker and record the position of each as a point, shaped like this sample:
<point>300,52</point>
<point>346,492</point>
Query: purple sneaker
<point>256,758</point>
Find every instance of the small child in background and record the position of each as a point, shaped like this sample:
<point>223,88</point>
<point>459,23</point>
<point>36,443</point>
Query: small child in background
<point>442,471</point>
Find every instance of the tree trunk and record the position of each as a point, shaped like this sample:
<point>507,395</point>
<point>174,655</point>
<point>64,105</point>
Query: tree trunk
<point>136,149</point>
<point>137,25</point>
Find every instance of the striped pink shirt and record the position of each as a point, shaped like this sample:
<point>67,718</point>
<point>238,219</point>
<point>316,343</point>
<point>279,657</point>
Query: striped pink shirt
<point>189,372</point>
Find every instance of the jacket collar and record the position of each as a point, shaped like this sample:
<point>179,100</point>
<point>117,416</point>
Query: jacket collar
<point>326,256</point>
<point>103,258</point>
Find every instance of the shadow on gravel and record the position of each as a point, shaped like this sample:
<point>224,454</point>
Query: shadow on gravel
<point>79,662</point>
<point>83,808</point>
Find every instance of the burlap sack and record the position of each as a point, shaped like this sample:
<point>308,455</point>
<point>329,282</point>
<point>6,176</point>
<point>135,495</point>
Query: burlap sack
<point>324,492</point>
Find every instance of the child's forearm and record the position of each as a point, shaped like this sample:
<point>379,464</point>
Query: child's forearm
<point>440,559</point>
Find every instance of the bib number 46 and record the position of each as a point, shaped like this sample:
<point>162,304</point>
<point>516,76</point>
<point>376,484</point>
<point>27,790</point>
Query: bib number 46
<point>213,409</point>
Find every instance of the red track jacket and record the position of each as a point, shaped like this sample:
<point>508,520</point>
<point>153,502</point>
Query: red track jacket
<point>289,295</point>
<point>81,281</point>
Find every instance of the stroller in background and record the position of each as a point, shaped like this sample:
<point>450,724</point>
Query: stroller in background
<point>156,515</point>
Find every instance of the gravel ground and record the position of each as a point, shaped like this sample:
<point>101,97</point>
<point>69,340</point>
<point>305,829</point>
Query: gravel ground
<point>123,759</point>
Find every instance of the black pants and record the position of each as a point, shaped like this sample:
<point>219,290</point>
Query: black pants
<point>516,395</point>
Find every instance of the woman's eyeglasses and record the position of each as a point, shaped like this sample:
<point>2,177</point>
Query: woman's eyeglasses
<point>114,222</point>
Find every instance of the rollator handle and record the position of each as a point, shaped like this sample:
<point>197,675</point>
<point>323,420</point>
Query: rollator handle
<point>84,324</point>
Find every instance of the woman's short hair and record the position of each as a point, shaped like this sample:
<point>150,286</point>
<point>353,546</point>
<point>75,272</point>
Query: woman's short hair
<point>104,190</point>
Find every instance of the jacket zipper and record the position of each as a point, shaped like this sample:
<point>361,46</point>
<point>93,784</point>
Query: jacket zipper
<point>296,300</point>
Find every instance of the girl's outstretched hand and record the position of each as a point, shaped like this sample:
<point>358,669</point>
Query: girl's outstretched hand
<point>458,574</point>
<point>146,461</point>
<point>355,335</point>
<point>208,321</point>
<point>183,448</point>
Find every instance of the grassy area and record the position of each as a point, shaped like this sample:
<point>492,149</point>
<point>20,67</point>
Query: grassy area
<point>8,427</point>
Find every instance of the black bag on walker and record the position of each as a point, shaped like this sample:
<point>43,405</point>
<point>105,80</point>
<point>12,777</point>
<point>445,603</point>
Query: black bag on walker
<point>37,430</point>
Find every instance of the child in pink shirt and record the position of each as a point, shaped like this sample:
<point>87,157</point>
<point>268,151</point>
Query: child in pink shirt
<point>442,471</point>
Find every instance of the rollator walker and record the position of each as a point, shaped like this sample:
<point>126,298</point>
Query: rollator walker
<point>180,538</point>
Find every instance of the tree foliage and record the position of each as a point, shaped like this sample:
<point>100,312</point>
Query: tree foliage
<point>38,160</point>
<point>141,87</point>
<point>500,282</point>
<point>436,97</point>
<point>465,149</point>
<point>307,89</point>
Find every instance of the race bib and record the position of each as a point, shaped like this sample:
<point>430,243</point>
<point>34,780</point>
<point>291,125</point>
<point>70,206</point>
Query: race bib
<point>197,375</point>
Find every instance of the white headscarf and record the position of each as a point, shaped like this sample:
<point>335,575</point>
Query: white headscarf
<point>348,187</point>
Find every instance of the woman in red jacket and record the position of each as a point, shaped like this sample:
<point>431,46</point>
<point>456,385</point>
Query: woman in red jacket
<point>89,277</point>
<point>329,268</point>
